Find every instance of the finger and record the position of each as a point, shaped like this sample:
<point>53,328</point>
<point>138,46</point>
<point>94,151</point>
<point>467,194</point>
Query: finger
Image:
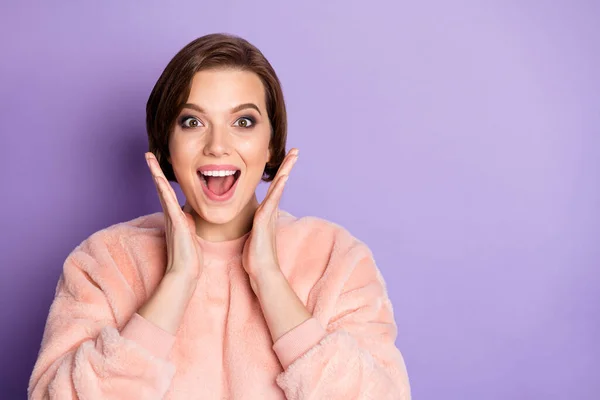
<point>156,170</point>
<point>190,221</point>
<point>170,206</point>
<point>157,186</point>
<point>188,213</point>
<point>285,166</point>
<point>285,169</point>
<point>166,194</point>
<point>153,164</point>
<point>159,191</point>
<point>288,162</point>
<point>271,201</point>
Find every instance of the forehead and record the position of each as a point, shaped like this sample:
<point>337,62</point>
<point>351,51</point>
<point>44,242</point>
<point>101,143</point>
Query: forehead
<point>218,89</point>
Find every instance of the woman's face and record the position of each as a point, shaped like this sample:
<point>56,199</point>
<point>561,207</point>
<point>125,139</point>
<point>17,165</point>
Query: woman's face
<point>220,143</point>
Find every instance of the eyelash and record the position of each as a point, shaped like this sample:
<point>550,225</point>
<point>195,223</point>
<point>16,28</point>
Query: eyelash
<point>249,118</point>
<point>185,118</point>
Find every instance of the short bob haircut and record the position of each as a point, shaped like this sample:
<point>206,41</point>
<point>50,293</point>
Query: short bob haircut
<point>213,51</point>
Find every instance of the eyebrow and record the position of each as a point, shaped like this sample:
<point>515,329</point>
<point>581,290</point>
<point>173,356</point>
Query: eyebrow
<point>233,110</point>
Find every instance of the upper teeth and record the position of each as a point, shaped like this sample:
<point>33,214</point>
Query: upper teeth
<point>218,173</point>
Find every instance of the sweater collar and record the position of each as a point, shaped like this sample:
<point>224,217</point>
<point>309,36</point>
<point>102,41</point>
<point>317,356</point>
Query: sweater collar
<point>227,248</point>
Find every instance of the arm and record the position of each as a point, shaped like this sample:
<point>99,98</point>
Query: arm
<point>355,356</point>
<point>83,354</point>
<point>282,308</point>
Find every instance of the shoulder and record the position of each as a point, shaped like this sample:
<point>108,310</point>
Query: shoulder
<point>128,233</point>
<point>317,233</point>
<point>319,249</point>
<point>129,252</point>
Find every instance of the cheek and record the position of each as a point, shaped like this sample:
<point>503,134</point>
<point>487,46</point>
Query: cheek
<point>182,152</point>
<point>255,151</point>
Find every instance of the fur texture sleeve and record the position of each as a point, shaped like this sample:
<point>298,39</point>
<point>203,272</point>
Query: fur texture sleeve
<point>94,346</point>
<point>356,358</point>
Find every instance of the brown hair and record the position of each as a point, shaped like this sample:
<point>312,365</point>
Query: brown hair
<point>173,88</point>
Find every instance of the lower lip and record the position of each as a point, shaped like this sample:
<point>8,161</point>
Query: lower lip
<point>216,198</point>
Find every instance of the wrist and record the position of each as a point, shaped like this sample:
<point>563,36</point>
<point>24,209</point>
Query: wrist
<point>183,278</point>
<point>167,304</point>
<point>266,279</point>
<point>180,282</point>
<point>282,308</point>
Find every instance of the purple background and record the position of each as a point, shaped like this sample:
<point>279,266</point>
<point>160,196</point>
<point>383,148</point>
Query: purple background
<point>460,141</point>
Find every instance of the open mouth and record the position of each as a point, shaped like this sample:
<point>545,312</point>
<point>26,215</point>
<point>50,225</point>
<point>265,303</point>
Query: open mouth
<point>219,184</point>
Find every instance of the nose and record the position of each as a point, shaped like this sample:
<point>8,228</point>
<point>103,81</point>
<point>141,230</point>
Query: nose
<point>217,142</point>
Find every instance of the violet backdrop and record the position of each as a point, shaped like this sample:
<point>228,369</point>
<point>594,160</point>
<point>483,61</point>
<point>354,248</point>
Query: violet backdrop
<point>460,140</point>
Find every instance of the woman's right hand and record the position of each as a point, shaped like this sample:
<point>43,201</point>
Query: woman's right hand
<point>184,256</point>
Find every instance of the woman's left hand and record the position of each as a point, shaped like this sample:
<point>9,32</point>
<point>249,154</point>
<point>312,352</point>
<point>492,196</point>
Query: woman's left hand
<point>259,257</point>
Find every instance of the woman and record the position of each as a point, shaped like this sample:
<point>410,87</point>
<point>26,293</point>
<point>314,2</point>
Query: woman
<point>223,298</point>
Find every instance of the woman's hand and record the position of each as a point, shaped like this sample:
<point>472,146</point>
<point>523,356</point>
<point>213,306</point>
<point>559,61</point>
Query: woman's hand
<point>259,256</point>
<point>184,256</point>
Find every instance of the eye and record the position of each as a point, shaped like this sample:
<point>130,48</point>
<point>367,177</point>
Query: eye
<point>244,122</point>
<point>190,122</point>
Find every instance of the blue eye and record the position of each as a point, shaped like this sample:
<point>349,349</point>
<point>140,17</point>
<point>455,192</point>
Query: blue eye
<point>244,122</point>
<point>189,122</point>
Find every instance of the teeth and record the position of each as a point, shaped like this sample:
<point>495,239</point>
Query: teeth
<point>217,173</point>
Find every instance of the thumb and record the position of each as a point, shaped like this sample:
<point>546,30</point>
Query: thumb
<point>187,212</point>
<point>190,222</point>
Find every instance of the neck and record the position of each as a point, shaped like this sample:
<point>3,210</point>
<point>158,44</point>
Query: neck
<point>231,230</point>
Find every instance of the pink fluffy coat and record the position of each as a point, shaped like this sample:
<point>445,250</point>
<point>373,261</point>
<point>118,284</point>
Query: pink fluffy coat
<point>95,345</point>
